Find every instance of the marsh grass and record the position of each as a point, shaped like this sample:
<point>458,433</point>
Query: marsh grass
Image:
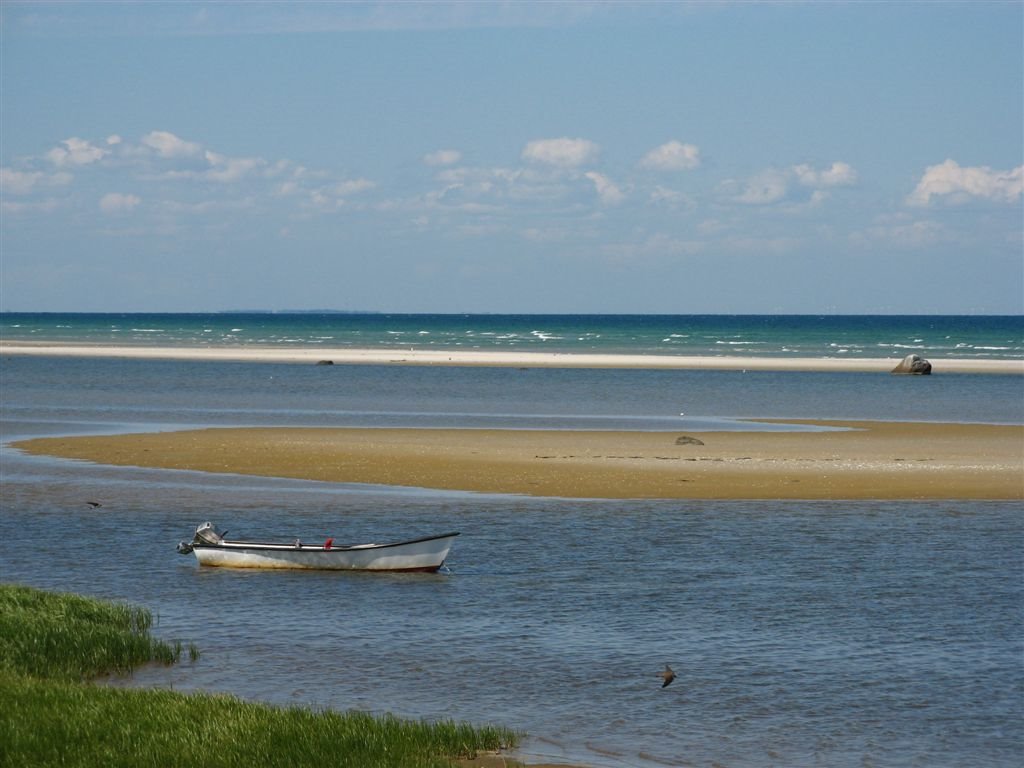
<point>50,643</point>
<point>58,635</point>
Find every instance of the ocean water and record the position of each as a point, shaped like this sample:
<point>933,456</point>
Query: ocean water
<point>834,634</point>
<point>1000,337</point>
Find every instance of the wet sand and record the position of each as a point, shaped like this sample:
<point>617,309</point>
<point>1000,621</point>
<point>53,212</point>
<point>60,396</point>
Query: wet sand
<point>349,356</point>
<point>857,460</point>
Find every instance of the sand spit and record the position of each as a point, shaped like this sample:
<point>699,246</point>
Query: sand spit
<point>860,460</point>
<point>519,359</point>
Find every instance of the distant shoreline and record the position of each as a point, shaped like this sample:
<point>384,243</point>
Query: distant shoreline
<point>491,358</point>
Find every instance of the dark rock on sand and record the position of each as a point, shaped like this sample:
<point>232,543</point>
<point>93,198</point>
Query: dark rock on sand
<point>915,365</point>
<point>687,440</point>
<point>325,362</point>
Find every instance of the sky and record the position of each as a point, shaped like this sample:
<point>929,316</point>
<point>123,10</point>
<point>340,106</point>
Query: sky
<point>576,157</point>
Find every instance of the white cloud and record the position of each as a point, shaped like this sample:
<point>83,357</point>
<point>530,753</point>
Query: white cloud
<point>672,156</point>
<point>117,202</point>
<point>443,157</point>
<point>75,152</point>
<point>838,175</point>
<point>504,185</point>
<point>15,182</point>
<point>668,197</point>
<point>168,145</point>
<point>37,206</point>
<point>903,231</point>
<point>351,187</point>
<point>609,193</point>
<point>564,152</point>
<point>335,196</point>
<point>765,188</point>
<point>775,185</point>
<point>958,184</point>
<point>18,182</point>
<point>206,207</point>
<point>231,168</point>
<point>113,140</point>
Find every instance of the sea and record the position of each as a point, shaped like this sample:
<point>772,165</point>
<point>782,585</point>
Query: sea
<point>827,633</point>
<point>943,336</point>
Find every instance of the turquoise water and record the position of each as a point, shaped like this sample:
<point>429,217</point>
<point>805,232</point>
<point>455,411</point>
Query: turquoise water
<point>837,634</point>
<point>1000,337</point>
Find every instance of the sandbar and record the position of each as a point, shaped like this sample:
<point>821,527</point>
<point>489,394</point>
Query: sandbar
<point>497,358</point>
<point>853,460</point>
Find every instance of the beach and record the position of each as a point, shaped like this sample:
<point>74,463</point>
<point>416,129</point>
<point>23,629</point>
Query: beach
<point>511,359</point>
<point>841,460</point>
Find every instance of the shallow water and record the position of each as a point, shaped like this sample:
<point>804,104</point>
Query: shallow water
<point>819,634</point>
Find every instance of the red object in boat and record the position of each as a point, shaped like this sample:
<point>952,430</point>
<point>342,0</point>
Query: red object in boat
<point>329,543</point>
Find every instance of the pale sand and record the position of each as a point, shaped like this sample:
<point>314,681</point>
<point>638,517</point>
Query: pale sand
<point>500,359</point>
<point>870,460</point>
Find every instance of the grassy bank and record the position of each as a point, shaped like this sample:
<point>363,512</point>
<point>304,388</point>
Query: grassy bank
<point>50,644</point>
<point>69,637</point>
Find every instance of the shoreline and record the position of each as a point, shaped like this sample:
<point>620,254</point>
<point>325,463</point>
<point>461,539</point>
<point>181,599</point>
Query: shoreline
<point>498,358</point>
<point>859,460</point>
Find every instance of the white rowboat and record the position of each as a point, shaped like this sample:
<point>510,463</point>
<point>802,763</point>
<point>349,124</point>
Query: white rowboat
<point>425,555</point>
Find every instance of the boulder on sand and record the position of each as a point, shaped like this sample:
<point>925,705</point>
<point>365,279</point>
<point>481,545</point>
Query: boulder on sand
<point>914,364</point>
<point>687,440</point>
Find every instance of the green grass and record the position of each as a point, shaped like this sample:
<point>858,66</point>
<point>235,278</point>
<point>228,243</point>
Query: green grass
<point>70,637</point>
<point>50,643</point>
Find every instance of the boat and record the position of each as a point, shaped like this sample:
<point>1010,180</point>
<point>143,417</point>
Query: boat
<point>424,555</point>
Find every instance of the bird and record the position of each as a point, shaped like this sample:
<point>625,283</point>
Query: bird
<point>668,676</point>
<point>94,504</point>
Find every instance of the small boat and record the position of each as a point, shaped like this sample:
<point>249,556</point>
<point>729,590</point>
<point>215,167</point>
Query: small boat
<point>425,555</point>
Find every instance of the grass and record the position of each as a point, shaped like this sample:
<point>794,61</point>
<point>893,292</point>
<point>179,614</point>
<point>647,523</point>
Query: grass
<point>70,637</point>
<point>51,644</point>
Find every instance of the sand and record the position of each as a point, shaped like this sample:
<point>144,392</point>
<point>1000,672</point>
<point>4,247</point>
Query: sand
<point>856,460</point>
<point>342,356</point>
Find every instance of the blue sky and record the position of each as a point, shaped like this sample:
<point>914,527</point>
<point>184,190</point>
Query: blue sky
<point>513,157</point>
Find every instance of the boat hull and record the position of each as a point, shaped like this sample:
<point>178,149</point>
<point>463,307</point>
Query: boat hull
<point>421,555</point>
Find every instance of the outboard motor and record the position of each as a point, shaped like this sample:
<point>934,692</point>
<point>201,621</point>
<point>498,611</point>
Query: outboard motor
<point>207,533</point>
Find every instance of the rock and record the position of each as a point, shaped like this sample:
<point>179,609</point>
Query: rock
<point>325,362</point>
<point>687,440</point>
<point>914,364</point>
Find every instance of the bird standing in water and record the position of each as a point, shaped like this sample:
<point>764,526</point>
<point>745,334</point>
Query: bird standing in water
<point>668,676</point>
